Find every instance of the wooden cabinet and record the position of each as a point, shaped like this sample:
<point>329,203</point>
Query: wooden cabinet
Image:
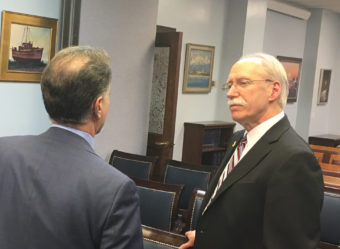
<point>205,142</point>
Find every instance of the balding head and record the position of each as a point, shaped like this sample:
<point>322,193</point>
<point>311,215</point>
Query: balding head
<point>72,81</point>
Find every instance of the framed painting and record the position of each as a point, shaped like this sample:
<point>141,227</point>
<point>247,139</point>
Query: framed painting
<point>199,61</point>
<point>27,45</point>
<point>292,66</point>
<point>325,80</point>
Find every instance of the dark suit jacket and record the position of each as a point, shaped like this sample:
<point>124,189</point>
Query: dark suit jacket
<point>272,199</point>
<point>56,193</point>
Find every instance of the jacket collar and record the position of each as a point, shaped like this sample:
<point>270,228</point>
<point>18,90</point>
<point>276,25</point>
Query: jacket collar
<point>63,136</point>
<point>251,160</point>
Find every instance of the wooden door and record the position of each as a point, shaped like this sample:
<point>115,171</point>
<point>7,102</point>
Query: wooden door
<point>163,106</point>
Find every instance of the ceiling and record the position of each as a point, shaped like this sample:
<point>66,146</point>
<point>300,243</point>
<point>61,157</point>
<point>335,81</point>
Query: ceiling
<point>333,5</point>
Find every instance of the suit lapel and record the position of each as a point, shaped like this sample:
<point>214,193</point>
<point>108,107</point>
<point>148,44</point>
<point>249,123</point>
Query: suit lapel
<point>251,160</point>
<point>235,139</point>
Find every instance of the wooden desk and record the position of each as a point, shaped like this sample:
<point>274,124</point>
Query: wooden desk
<point>330,140</point>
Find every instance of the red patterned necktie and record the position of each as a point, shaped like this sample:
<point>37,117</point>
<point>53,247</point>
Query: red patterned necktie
<point>235,158</point>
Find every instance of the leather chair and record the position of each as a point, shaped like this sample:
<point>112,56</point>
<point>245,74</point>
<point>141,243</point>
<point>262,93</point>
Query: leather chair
<point>133,165</point>
<point>158,203</point>
<point>194,208</point>
<point>159,239</point>
<point>192,176</point>
<point>330,220</point>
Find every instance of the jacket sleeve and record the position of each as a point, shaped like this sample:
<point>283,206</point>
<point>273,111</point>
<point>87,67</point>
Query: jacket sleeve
<point>123,227</point>
<point>293,203</point>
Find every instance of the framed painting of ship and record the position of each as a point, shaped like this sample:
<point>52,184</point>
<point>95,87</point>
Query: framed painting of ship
<point>199,61</point>
<point>27,44</point>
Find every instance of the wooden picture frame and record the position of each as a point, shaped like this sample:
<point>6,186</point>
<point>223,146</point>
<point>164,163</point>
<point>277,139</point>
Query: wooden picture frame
<point>70,23</point>
<point>199,62</point>
<point>292,66</point>
<point>325,81</point>
<point>27,44</point>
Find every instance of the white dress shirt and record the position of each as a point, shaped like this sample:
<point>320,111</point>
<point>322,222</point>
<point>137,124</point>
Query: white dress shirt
<point>256,133</point>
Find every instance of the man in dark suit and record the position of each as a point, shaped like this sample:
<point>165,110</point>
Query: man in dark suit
<point>271,195</point>
<point>55,191</point>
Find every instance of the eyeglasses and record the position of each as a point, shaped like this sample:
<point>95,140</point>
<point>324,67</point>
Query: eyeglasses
<point>240,83</point>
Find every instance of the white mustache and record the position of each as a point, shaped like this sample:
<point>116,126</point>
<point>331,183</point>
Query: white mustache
<point>238,101</point>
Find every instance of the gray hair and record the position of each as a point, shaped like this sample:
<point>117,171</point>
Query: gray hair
<point>72,81</point>
<point>274,71</point>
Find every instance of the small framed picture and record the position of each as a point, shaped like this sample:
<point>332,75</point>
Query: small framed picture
<point>199,61</point>
<point>292,66</point>
<point>27,44</point>
<point>325,80</point>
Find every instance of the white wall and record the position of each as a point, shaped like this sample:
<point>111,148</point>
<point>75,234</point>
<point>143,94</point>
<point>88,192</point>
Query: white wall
<point>234,23</point>
<point>126,29</point>
<point>334,100</point>
<point>308,73</point>
<point>285,36</point>
<point>202,22</point>
<point>324,118</point>
<point>255,26</point>
<point>21,106</point>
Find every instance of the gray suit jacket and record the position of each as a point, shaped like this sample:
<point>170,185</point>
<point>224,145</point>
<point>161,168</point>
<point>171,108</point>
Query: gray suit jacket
<point>56,193</point>
<point>272,199</point>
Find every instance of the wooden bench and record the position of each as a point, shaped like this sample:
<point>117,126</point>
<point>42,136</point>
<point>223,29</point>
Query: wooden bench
<point>332,182</point>
<point>330,169</point>
<point>335,159</point>
<point>326,154</point>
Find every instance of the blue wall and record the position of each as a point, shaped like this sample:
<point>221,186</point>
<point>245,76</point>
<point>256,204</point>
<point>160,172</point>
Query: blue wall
<point>21,106</point>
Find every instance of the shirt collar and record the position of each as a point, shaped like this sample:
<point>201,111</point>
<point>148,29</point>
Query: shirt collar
<point>80,133</point>
<point>256,133</point>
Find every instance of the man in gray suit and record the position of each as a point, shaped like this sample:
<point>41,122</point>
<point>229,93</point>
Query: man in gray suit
<point>55,191</point>
<point>269,189</point>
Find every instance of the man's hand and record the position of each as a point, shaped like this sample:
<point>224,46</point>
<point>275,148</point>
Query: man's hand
<point>191,239</point>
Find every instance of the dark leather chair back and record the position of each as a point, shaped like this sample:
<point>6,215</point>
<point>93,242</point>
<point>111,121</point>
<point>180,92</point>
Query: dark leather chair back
<point>330,218</point>
<point>158,203</point>
<point>194,208</point>
<point>192,176</point>
<point>133,165</point>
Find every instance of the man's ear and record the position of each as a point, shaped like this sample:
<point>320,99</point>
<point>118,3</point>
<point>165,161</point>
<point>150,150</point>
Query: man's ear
<point>97,107</point>
<point>275,91</point>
